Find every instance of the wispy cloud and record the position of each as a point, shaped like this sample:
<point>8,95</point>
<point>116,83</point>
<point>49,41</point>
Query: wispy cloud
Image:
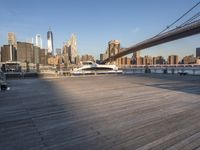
<point>135,30</point>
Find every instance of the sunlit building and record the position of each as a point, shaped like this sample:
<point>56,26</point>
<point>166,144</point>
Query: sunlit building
<point>72,48</point>
<point>189,59</point>
<point>42,57</point>
<point>197,60</point>
<point>36,54</point>
<point>38,40</point>
<point>5,53</point>
<point>173,59</point>
<point>55,60</point>
<point>8,53</point>
<point>147,60</point>
<point>12,38</point>
<point>136,58</point>
<point>13,45</point>
<point>124,61</point>
<point>158,60</point>
<point>87,57</point>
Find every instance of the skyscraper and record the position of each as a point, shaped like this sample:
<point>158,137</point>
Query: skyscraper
<point>72,48</point>
<point>50,42</point>
<point>12,43</point>
<point>38,40</point>
<point>12,38</point>
<point>58,51</point>
<point>197,52</point>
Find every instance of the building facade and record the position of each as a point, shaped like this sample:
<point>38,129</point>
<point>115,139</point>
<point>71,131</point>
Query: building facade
<point>147,60</point>
<point>25,52</point>
<point>198,61</point>
<point>8,53</point>
<point>87,57</point>
<point>103,57</point>
<point>173,59</point>
<point>42,57</point>
<point>65,55</point>
<point>136,58</point>
<point>36,54</point>
<point>13,45</point>
<point>124,61</point>
<point>197,52</point>
<point>158,60</point>
<point>5,53</point>
<point>189,59</point>
<point>72,48</point>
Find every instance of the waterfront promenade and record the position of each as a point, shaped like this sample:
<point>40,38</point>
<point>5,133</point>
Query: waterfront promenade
<point>153,111</point>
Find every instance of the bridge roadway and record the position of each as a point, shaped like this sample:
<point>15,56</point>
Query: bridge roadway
<point>137,112</point>
<point>175,34</point>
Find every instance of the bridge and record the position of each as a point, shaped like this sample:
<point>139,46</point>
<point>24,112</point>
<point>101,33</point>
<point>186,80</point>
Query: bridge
<point>174,34</point>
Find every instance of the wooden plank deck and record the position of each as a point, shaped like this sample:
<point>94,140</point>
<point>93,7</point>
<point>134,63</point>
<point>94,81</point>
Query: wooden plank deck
<point>101,112</point>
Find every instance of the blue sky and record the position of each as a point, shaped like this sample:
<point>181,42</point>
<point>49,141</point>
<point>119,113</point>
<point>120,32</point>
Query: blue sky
<point>96,22</point>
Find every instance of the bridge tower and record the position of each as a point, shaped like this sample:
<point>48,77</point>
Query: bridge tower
<point>113,49</point>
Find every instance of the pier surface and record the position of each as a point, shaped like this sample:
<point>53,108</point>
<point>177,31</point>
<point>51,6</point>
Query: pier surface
<point>101,112</point>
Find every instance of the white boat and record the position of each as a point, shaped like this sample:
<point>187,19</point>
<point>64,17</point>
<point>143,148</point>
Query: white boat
<point>89,67</point>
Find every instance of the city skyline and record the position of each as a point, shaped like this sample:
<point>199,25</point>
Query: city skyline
<point>96,23</point>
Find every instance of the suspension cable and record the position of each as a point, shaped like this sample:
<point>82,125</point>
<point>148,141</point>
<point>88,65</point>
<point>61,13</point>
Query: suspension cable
<point>179,18</point>
<point>190,20</point>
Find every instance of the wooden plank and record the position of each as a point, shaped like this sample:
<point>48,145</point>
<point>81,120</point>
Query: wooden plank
<point>101,112</point>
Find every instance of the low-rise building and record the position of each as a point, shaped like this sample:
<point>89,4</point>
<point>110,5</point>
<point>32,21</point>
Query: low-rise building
<point>158,60</point>
<point>198,61</point>
<point>42,57</point>
<point>8,53</point>
<point>189,59</point>
<point>87,57</point>
<point>173,59</point>
<point>147,60</point>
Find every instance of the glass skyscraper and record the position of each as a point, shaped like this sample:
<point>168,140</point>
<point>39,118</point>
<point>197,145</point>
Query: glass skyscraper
<point>50,42</point>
